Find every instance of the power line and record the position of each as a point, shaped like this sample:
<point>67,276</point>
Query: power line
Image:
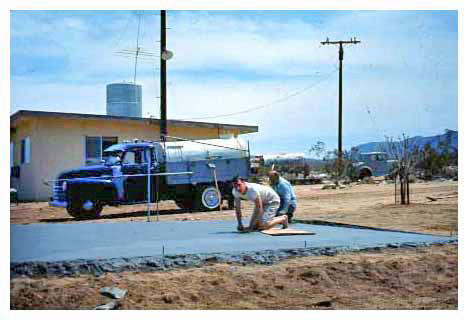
<point>271,103</point>
<point>121,34</point>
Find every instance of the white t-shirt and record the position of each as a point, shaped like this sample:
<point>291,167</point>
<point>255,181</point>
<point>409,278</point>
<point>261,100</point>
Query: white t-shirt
<point>267,195</point>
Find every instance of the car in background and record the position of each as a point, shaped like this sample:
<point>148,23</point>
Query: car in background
<point>374,164</point>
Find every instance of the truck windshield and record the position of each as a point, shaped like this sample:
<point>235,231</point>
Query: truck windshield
<point>112,157</point>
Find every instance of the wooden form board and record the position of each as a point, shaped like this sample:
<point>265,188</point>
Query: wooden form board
<point>286,232</point>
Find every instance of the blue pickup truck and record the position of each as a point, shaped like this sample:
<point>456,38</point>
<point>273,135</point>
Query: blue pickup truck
<point>197,175</point>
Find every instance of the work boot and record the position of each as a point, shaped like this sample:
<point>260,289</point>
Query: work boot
<point>290,218</point>
<point>285,224</point>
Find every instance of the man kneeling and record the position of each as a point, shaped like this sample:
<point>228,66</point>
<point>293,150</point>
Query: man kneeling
<point>266,202</point>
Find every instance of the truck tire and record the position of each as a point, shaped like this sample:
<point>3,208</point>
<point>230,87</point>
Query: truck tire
<point>207,198</point>
<point>76,210</point>
<point>365,173</point>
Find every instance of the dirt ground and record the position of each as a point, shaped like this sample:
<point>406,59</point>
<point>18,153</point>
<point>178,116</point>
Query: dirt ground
<point>425,278</point>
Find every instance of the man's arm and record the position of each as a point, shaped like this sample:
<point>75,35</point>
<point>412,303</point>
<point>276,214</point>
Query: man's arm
<point>258,212</point>
<point>237,204</point>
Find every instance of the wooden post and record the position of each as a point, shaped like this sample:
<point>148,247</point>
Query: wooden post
<point>402,189</point>
<point>407,190</point>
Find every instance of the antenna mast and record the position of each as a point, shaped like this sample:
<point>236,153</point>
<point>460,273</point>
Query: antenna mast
<point>137,48</point>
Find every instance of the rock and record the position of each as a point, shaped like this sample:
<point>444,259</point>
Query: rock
<point>113,292</point>
<point>111,305</point>
<point>324,304</point>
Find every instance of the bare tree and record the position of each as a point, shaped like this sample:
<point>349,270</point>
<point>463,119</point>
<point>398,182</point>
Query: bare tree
<point>318,148</point>
<point>401,150</point>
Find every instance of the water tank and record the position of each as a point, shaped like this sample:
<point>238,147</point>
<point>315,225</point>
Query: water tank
<point>233,148</point>
<point>124,99</point>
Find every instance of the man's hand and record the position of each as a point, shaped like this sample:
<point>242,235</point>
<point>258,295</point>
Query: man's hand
<point>241,228</point>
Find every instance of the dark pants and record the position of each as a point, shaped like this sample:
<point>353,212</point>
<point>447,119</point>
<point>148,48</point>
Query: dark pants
<point>290,210</point>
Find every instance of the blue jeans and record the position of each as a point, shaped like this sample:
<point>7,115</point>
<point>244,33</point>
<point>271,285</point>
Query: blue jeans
<point>290,210</point>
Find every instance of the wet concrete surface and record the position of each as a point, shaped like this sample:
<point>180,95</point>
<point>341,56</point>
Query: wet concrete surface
<point>99,247</point>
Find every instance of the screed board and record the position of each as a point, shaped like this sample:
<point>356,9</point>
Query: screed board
<point>286,232</point>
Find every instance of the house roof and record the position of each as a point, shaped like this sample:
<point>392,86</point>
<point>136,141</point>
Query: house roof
<point>23,114</point>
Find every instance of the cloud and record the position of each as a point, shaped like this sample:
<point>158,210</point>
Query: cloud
<point>401,78</point>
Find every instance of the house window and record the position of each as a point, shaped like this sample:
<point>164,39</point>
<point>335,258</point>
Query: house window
<point>25,150</point>
<point>95,146</point>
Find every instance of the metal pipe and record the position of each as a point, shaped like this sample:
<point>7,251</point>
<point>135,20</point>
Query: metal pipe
<point>149,185</point>
<point>157,199</point>
<point>128,175</point>
<point>208,144</point>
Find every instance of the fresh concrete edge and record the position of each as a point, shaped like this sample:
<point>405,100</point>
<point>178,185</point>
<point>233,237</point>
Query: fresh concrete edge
<point>170,262</point>
<point>356,226</point>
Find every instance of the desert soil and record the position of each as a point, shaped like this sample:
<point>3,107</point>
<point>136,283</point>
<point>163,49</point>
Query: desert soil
<point>424,278</point>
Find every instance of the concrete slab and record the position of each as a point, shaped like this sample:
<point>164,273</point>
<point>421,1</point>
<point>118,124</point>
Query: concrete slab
<point>60,242</point>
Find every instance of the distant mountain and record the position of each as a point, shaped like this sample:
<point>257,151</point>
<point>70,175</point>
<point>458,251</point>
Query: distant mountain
<point>290,158</point>
<point>417,141</point>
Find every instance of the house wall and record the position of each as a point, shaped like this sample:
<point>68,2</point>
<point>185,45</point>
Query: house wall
<point>26,183</point>
<point>58,144</point>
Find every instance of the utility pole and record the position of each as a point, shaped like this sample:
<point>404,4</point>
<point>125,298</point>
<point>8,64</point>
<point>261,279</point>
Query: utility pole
<point>340,96</point>
<point>163,126</point>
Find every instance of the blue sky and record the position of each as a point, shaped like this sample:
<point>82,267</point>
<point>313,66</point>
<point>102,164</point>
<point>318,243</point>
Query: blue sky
<point>402,78</point>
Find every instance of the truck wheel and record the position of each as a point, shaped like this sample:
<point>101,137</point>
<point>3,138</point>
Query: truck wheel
<point>76,210</point>
<point>207,198</point>
<point>365,173</point>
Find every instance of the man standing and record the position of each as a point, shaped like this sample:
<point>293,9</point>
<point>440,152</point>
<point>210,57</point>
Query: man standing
<point>286,193</point>
<point>266,205</point>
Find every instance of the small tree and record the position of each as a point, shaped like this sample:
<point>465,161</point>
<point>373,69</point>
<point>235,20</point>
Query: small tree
<point>401,150</point>
<point>331,163</point>
<point>318,148</point>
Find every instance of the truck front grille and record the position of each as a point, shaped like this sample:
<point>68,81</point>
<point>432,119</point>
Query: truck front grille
<point>57,192</point>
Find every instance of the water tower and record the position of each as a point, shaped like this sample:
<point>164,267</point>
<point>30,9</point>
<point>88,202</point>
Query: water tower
<point>124,99</point>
